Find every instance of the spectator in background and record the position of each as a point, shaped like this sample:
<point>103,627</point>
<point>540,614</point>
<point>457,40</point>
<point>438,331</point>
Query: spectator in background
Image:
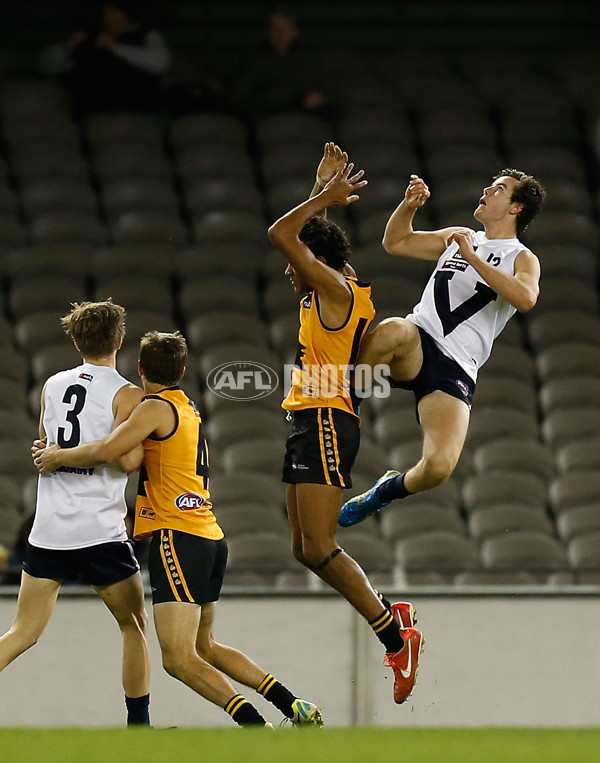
<point>117,65</point>
<point>282,76</point>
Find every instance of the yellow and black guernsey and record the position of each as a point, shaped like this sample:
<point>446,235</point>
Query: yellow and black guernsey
<point>173,490</point>
<point>326,357</point>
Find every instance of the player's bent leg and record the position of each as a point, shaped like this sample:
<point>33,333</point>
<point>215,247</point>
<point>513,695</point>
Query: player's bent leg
<point>239,667</point>
<point>296,532</point>
<point>37,598</point>
<point>394,342</point>
<point>445,423</point>
<point>125,600</point>
<point>177,626</point>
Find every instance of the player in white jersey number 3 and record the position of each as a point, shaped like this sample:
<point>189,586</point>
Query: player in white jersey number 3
<point>79,527</point>
<point>480,280</point>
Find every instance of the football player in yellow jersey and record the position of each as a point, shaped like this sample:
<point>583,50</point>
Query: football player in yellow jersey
<point>188,553</point>
<point>324,426</point>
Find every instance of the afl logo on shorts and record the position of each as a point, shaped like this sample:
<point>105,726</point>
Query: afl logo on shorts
<point>189,501</point>
<point>462,387</point>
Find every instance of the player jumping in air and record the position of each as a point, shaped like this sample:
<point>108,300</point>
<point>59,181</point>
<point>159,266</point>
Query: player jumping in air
<point>480,280</point>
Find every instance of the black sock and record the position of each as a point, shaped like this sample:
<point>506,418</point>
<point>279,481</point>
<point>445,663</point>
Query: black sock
<point>243,712</point>
<point>277,694</point>
<point>387,631</point>
<point>386,603</point>
<point>138,710</point>
<point>393,488</point>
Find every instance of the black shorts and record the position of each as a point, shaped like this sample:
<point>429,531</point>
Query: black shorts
<point>438,372</point>
<point>321,447</point>
<point>100,565</point>
<point>186,567</point>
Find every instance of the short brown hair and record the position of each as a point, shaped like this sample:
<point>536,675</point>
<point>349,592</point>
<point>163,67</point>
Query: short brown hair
<point>97,328</point>
<point>162,357</point>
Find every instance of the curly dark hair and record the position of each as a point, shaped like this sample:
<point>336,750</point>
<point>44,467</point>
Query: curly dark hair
<point>326,239</point>
<point>529,192</point>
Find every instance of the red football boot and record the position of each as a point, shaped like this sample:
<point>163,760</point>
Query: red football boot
<point>405,663</point>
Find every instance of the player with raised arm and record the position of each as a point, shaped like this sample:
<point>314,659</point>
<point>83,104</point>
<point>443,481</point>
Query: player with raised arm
<point>188,551</point>
<point>480,280</point>
<point>79,526</point>
<point>324,434</point>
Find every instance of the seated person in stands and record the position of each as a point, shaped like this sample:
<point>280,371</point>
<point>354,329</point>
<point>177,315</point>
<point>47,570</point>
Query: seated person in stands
<point>117,65</point>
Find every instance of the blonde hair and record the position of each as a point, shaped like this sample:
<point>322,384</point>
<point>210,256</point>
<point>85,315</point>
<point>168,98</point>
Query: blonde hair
<point>97,328</point>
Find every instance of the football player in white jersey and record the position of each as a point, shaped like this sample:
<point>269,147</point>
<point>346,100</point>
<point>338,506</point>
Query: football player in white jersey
<point>480,280</point>
<point>79,527</point>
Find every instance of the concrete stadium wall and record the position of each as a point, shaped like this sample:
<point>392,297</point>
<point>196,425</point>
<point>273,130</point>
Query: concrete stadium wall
<point>489,661</point>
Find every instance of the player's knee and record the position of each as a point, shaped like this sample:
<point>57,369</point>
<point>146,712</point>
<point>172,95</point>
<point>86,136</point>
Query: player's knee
<point>389,334</point>
<point>25,637</point>
<point>437,468</point>
<point>298,553</point>
<point>315,551</point>
<point>173,662</point>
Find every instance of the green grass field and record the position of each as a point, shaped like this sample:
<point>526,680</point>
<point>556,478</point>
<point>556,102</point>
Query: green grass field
<point>303,746</point>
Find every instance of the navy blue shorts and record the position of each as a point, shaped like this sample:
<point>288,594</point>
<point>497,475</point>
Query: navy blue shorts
<point>100,565</point>
<point>438,372</point>
<point>321,447</point>
<point>185,567</point>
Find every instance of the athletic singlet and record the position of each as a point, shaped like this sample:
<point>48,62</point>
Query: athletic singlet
<point>326,357</point>
<point>461,313</point>
<point>173,487</point>
<point>77,508</point>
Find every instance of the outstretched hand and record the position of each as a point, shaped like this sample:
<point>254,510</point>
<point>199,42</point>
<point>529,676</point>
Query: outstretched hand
<point>416,193</point>
<point>334,159</point>
<point>341,189</point>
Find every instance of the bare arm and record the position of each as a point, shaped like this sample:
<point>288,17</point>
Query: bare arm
<point>399,237</point>
<point>147,417</point>
<point>521,290</point>
<point>126,399</point>
<point>42,409</point>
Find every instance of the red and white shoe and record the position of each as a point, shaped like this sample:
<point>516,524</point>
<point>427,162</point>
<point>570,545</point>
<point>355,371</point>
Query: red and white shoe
<point>404,614</point>
<point>405,663</point>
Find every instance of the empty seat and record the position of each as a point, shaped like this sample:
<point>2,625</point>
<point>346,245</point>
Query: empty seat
<point>570,392</point>
<point>41,293</point>
<point>143,227</point>
<point>52,359</point>
<point>68,226</point>
<point>139,194</point>
<point>575,488</point>
<point>246,486</point>
<point>583,455</point>
<point>15,457</point>
<point>372,554</point>
<point>514,454</point>
<point>279,129</point>
<point>406,520</point>
<point>217,326</point>
<point>197,162</point>
<point>508,518</point>
<point>262,552</point>
<point>440,551</point>
<point>12,365</point>
<point>564,293</point>
<point>128,162</point>
<point>279,298</point>
<point>136,293</point>
<point>154,259</point>
<point>579,520</point>
<point>17,424</point>
<point>490,424</point>
<point>207,129</point>
<point>564,426</point>
<point>241,352</point>
<point>584,552</point>
<point>505,392</point>
<point>396,426</point>
<point>218,293</point>
<point>510,361</point>
<point>236,519</point>
<point>139,322</point>
<point>260,454</point>
<point>106,129</point>
<point>229,427</point>
<point>62,260</point>
<point>503,487</point>
<point>49,194</point>
<point>524,550</point>
<point>12,231</point>
<point>237,258</point>
<point>222,194</point>
<point>36,330</point>
<point>568,359</point>
<point>226,225</point>
<point>556,327</point>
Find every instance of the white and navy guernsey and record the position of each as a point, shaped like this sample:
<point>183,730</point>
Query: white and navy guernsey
<point>461,313</point>
<point>77,508</point>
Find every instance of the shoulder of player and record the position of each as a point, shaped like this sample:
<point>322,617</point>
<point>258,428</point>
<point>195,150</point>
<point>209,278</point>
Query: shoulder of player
<point>129,393</point>
<point>526,258</point>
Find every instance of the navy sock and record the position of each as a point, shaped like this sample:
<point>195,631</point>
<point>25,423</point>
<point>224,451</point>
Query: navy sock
<point>387,631</point>
<point>274,691</point>
<point>243,713</point>
<point>393,488</point>
<point>138,710</point>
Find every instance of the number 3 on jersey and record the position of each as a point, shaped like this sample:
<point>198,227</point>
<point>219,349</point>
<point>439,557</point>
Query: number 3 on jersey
<point>75,396</point>
<point>449,318</point>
